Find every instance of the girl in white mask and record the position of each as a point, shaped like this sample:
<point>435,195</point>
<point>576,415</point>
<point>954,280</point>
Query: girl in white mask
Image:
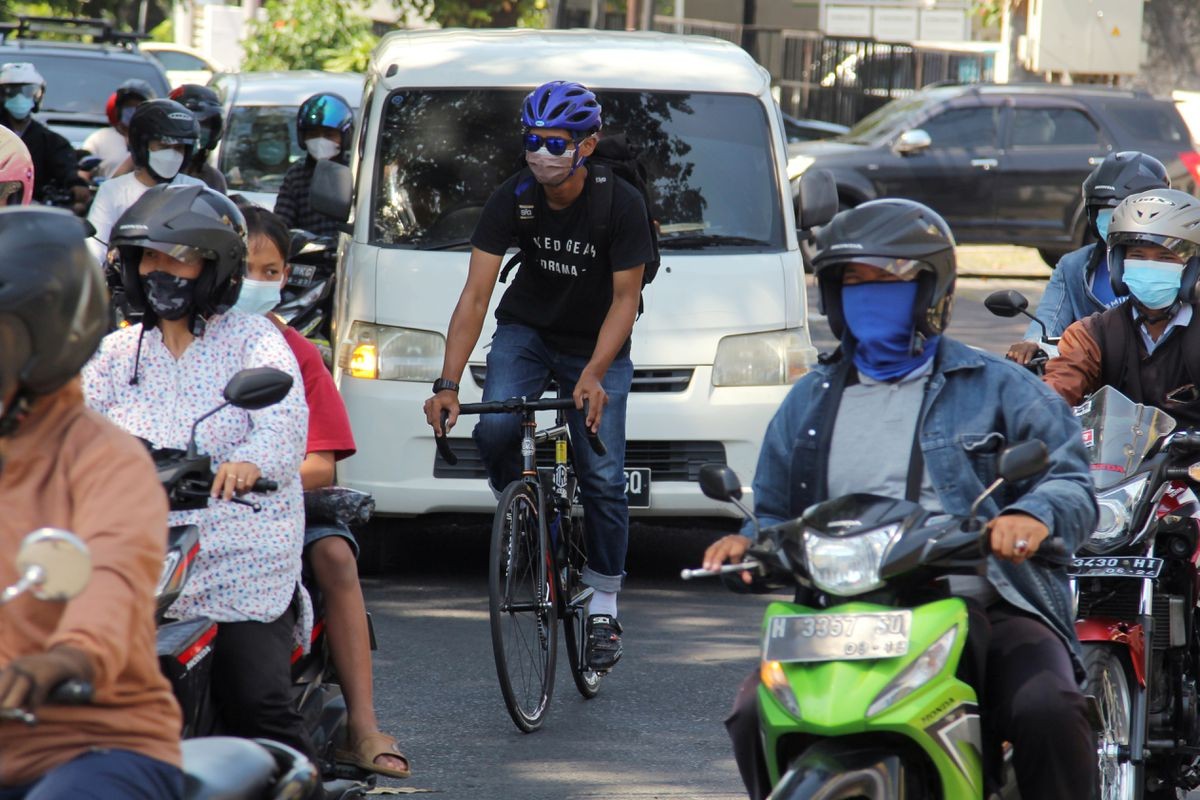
<point>330,549</point>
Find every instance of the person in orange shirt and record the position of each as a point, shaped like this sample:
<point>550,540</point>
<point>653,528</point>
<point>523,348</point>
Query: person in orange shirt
<point>63,465</point>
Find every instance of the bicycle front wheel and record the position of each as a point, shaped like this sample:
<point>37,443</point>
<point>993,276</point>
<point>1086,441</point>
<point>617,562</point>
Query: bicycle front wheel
<point>524,623</point>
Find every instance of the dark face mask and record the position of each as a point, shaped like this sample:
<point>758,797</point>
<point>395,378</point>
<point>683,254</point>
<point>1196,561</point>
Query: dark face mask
<point>169,296</point>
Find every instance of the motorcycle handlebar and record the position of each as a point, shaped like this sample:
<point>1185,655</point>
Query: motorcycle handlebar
<point>264,485</point>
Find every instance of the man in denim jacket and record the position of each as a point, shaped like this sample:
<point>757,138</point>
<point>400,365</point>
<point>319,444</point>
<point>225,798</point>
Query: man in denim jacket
<point>886,274</point>
<point>1080,285</point>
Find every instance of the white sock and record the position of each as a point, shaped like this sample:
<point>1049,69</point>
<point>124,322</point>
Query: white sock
<point>603,603</point>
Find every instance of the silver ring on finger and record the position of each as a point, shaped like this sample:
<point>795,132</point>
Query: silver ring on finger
<point>1022,547</point>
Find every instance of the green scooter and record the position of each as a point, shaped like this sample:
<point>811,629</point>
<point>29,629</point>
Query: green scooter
<point>861,698</point>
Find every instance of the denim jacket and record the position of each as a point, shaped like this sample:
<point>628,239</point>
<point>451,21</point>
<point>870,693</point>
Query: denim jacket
<point>975,405</point>
<point>1067,297</point>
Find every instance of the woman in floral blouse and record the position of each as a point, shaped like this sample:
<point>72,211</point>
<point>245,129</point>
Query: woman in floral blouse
<point>183,253</point>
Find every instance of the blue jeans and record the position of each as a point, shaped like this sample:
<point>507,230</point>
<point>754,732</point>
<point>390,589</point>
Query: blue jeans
<point>104,775</point>
<point>520,364</point>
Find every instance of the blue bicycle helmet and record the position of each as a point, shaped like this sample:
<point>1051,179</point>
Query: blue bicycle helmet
<point>562,104</point>
<point>325,110</point>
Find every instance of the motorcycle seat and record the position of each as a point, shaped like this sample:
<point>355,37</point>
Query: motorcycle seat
<point>226,768</point>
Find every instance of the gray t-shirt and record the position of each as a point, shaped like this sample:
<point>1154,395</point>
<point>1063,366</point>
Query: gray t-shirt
<point>872,447</point>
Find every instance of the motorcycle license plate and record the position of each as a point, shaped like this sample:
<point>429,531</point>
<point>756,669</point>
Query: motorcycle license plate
<point>302,275</point>
<point>837,637</point>
<point>1115,567</point>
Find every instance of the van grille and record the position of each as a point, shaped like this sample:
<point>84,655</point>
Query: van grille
<point>644,380</point>
<point>668,461</point>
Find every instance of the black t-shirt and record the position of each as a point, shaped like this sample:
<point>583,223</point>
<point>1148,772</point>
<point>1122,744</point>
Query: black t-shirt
<point>565,292</point>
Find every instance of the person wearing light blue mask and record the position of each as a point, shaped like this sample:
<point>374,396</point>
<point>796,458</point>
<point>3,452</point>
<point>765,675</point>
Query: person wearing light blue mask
<point>1081,285</point>
<point>904,411</point>
<point>1148,347</point>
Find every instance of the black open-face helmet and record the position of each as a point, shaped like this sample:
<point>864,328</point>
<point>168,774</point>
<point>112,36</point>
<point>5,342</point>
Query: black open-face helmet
<point>181,220</point>
<point>902,237</point>
<point>1120,175</point>
<point>165,121</point>
<point>53,302</point>
<point>204,103</point>
<point>1165,217</point>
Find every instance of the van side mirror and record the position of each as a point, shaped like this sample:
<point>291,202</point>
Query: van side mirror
<point>332,190</point>
<point>913,141</point>
<point>1023,460</point>
<point>256,388</point>
<point>1006,303</point>
<point>817,200</point>
<point>719,482</point>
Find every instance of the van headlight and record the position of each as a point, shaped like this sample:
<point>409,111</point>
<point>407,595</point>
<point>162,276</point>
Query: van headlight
<point>1116,508</point>
<point>848,565</point>
<point>774,358</point>
<point>921,671</point>
<point>381,352</point>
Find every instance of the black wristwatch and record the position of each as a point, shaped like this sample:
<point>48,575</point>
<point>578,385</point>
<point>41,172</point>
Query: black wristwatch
<point>444,385</point>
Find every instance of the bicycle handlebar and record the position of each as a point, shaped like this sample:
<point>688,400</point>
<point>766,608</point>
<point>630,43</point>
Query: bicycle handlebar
<point>515,405</point>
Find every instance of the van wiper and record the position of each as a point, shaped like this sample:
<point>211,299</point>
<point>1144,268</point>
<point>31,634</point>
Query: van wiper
<point>684,240</point>
<point>449,244</point>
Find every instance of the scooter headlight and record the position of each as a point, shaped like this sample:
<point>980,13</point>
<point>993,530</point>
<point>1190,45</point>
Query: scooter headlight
<point>772,676</point>
<point>920,672</point>
<point>848,565</point>
<point>1116,508</point>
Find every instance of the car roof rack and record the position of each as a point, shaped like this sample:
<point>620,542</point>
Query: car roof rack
<point>101,31</point>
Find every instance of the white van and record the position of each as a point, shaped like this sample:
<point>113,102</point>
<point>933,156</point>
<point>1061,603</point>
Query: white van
<point>724,331</point>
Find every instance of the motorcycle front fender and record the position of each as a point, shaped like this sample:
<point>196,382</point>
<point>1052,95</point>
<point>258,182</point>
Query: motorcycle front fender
<point>834,769</point>
<point>1103,629</point>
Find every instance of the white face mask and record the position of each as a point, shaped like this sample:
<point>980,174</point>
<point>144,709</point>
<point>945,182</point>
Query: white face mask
<point>258,297</point>
<point>166,163</point>
<point>321,148</point>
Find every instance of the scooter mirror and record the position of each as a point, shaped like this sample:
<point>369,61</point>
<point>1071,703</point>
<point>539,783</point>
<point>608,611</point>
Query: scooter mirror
<point>1023,460</point>
<point>252,389</point>
<point>719,482</point>
<point>1006,303</point>
<point>57,563</point>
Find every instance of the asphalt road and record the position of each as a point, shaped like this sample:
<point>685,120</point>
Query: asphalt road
<point>655,729</point>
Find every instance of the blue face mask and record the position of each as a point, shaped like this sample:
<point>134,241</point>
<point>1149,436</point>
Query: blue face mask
<point>258,297</point>
<point>1155,284</point>
<point>18,106</point>
<point>880,317</point>
<point>1103,217</point>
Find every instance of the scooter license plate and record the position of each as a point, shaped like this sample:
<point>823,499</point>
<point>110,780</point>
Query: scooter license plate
<point>837,637</point>
<point>1115,567</point>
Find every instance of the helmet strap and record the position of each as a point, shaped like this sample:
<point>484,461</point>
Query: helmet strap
<point>1153,316</point>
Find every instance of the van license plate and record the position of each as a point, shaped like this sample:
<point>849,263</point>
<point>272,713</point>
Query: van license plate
<point>837,637</point>
<point>1115,567</point>
<point>637,487</point>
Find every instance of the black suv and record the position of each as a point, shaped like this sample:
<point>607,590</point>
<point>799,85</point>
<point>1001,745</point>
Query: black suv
<point>81,75</point>
<point>1003,163</point>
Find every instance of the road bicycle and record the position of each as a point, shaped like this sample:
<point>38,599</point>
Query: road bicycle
<point>537,557</point>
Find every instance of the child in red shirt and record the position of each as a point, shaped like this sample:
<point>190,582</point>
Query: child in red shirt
<point>331,549</point>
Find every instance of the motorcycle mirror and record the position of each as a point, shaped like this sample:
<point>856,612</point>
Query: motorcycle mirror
<point>719,482</point>
<point>257,388</point>
<point>56,563</point>
<point>1023,460</point>
<point>1006,303</point>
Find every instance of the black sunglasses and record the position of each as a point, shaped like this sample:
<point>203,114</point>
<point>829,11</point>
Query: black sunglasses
<point>555,145</point>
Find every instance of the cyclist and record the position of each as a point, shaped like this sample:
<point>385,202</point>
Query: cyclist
<point>1080,284</point>
<point>323,125</point>
<point>162,136</point>
<point>1148,346</point>
<point>204,103</point>
<point>65,466</point>
<point>54,161</point>
<point>183,256</point>
<point>852,426</point>
<point>330,548</point>
<point>568,315</point>
<point>111,144</point>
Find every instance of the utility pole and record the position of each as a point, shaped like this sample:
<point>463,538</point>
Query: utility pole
<point>631,15</point>
<point>749,15</point>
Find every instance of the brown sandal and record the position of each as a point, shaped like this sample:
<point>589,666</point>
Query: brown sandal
<point>371,747</point>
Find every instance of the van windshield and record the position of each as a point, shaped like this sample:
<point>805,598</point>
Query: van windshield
<point>708,158</point>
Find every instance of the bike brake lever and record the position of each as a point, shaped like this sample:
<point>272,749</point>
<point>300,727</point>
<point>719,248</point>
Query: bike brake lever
<point>257,507</point>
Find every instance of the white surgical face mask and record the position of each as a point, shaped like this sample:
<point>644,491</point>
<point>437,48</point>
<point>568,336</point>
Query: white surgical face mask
<point>166,163</point>
<point>258,297</point>
<point>321,148</point>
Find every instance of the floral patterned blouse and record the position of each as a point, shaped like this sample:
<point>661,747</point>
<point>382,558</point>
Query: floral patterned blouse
<point>249,563</point>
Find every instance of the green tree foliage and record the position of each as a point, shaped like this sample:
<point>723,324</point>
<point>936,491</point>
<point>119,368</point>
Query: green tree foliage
<point>309,34</point>
<point>123,12</point>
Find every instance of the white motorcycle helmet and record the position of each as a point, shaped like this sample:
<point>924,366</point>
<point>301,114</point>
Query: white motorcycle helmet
<point>22,73</point>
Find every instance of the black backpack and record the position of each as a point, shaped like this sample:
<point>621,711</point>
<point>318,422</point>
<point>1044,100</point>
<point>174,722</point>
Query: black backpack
<point>611,159</point>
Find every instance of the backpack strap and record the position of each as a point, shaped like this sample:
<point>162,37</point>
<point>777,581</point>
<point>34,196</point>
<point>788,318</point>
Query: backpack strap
<point>525,200</point>
<point>600,203</point>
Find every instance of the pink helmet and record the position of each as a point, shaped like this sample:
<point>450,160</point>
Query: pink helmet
<point>16,170</point>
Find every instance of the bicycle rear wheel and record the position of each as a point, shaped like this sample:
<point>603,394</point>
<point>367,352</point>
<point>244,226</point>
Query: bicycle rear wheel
<point>574,596</point>
<point>524,623</point>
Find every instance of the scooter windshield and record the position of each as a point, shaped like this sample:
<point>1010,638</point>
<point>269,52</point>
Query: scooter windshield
<point>1119,433</point>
